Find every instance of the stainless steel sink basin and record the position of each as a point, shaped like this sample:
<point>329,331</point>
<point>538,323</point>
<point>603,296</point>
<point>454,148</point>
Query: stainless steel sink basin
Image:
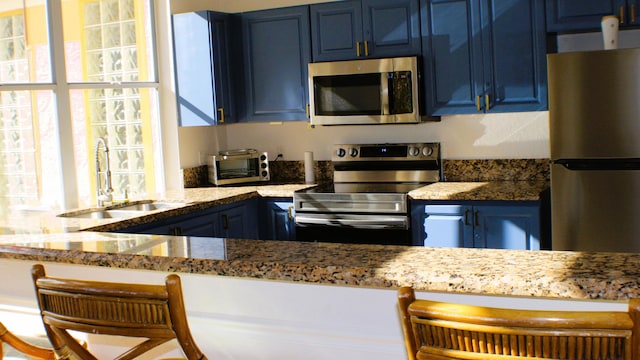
<point>121,211</point>
<point>101,214</point>
<point>148,206</point>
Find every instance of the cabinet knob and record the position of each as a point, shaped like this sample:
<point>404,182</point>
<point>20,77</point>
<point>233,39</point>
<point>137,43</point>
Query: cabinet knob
<point>358,48</point>
<point>487,104</point>
<point>466,217</point>
<point>221,112</point>
<point>621,12</point>
<point>478,106</point>
<point>290,213</point>
<point>225,221</point>
<point>632,13</point>
<point>366,48</point>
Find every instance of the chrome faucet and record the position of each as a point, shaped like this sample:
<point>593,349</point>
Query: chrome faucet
<point>103,195</point>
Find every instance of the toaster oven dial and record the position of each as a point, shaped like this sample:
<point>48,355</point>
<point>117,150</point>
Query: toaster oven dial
<point>353,152</point>
<point>427,151</point>
<point>414,151</point>
<point>341,152</point>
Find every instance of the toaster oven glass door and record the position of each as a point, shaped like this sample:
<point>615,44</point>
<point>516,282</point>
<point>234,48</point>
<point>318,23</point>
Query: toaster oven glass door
<point>238,168</point>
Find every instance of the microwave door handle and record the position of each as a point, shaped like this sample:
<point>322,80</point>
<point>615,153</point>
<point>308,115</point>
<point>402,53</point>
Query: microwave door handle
<point>384,92</point>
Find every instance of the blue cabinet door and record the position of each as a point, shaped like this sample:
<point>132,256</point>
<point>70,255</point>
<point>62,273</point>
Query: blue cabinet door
<point>516,64</point>
<point>277,50</point>
<point>586,15</point>
<point>365,29</point>
<point>201,56</point>
<point>200,225</point>
<point>336,30</point>
<point>238,220</point>
<point>391,28</point>
<point>223,58</point>
<point>278,222</point>
<point>484,56</point>
<point>507,227</point>
<point>452,53</point>
<point>447,226</point>
<point>502,225</point>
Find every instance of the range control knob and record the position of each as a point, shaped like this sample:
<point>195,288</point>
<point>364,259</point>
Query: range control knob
<point>427,151</point>
<point>353,152</point>
<point>340,152</point>
<point>414,151</point>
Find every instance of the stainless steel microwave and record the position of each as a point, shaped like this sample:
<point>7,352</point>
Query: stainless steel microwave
<point>238,166</point>
<point>372,91</point>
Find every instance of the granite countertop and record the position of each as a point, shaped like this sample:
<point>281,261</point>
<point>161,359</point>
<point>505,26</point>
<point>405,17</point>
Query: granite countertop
<point>554,274</point>
<point>481,191</point>
<point>551,274</point>
<point>193,199</point>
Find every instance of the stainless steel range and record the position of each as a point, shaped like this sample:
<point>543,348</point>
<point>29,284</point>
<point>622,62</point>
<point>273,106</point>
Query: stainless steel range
<point>367,202</point>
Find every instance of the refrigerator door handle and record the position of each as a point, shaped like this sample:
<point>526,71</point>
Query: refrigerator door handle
<point>600,164</point>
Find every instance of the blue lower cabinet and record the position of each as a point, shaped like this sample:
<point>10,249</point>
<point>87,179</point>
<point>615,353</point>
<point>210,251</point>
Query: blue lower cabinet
<point>237,220</point>
<point>500,226</point>
<point>277,220</point>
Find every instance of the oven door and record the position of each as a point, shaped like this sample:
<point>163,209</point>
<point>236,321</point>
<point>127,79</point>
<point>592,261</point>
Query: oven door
<point>353,228</point>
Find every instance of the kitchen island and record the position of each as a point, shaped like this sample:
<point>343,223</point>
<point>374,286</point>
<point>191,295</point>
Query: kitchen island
<point>322,300</point>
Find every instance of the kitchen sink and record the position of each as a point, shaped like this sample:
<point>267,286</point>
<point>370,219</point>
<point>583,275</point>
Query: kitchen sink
<point>148,206</point>
<point>101,214</point>
<point>121,211</point>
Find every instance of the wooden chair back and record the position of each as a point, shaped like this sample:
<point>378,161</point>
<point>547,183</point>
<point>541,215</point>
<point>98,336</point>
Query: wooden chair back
<point>437,330</point>
<point>152,312</point>
<point>31,350</point>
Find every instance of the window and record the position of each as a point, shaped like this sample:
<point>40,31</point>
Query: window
<point>109,90</point>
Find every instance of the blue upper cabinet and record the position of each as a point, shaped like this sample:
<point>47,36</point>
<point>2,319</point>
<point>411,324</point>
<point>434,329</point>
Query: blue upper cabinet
<point>586,15</point>
<point>277,50</point>
<point>203,78</point>
<point>484,56</point>
<point>348,30</point>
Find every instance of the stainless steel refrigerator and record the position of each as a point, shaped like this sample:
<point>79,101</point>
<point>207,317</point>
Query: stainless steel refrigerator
<point>594,124</point>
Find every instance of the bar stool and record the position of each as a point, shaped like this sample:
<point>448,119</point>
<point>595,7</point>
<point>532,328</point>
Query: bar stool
<point>31,350</point>
<point>438,330</point>
<point>154,312</point>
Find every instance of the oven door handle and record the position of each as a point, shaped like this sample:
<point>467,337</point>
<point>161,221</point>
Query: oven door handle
<point>365,222</point>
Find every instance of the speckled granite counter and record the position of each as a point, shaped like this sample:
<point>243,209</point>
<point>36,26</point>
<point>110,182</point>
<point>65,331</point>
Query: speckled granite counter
<point>481,191</point>
<point>571,275</point>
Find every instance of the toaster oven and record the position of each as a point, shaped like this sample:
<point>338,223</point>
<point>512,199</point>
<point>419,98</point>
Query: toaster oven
<point>238,166</point>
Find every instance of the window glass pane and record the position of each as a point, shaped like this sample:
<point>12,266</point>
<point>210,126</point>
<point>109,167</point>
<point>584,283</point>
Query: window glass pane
<point>125,118</point>
<point>27,151</point>
<point>115,38</point>
<point>24,42</point>
<point>105,41</point>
